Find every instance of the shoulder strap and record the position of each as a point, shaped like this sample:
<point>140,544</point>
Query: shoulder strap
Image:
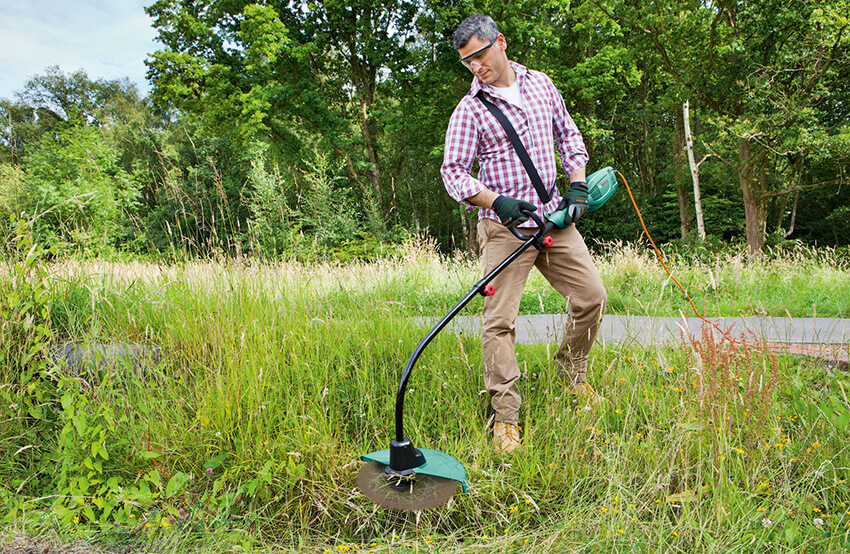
<point>519,147</point>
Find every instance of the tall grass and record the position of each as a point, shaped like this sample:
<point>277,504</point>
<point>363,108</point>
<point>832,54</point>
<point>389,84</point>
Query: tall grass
<point>276,378</point>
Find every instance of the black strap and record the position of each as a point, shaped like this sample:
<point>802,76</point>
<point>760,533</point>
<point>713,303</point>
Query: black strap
<point>519,147</point>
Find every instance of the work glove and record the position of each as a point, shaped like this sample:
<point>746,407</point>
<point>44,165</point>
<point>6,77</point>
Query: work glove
<point>511,211</point>
<point>575,201</point>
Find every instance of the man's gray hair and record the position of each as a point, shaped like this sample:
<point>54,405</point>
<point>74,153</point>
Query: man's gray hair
<point>481,26</point>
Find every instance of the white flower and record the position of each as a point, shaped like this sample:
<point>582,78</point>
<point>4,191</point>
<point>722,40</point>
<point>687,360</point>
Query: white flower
<point>818,523</point>
<point>767,522</point>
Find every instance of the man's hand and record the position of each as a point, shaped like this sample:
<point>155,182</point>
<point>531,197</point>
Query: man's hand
<point>576,201</point>
<point>512,212</point>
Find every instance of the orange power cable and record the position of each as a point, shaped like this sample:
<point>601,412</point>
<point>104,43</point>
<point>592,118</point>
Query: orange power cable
<point>685,292</point>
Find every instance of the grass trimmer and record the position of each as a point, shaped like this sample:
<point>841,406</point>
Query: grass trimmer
<point>407,478</point>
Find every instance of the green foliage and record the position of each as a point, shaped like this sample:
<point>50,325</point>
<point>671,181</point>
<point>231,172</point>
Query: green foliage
<point>79,193</point>
<point>24,306</point>
<point>25,393</point>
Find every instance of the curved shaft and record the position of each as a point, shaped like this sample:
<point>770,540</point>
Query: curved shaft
<point>530,240</point>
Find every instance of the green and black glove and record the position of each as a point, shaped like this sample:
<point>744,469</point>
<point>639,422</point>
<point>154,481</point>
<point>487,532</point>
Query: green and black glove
<point>512,212</point>
<point>576,200</point>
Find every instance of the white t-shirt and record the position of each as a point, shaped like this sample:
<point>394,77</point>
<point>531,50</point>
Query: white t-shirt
<point>512,94</point>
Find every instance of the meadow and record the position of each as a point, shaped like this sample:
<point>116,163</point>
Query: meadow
<point>276,377</point>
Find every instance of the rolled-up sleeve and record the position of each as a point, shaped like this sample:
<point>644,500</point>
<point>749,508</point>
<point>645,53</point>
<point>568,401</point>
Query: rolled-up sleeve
<point>568,138</point>
<point>462,138</point>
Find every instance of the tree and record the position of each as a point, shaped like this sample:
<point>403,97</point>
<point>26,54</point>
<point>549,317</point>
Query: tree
<point>760,67</point>
<point>293,74</point>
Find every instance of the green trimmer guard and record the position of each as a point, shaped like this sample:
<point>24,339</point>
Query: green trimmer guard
<point>427,486</point>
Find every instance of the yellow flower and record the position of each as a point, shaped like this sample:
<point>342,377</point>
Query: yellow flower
<point>76,519</point>
<point>514,509</point>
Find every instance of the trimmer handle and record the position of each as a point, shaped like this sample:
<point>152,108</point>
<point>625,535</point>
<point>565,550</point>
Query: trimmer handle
<point>542,229</point>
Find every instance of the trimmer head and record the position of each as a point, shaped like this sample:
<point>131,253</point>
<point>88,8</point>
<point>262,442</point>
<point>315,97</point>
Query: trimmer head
<point>410,493</point>
<point>427,486</point>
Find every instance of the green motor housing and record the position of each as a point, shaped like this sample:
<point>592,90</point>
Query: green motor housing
<point>601,186</point>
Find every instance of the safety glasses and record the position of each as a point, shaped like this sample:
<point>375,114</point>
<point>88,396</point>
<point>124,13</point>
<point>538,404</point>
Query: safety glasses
<point>478,55</point>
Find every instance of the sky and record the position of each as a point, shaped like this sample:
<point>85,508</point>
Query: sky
<point>107,39</point>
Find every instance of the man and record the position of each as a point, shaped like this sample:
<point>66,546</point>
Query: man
<point>504,194</point>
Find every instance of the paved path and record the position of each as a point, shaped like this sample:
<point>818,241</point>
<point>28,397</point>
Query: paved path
<point>803,335</point>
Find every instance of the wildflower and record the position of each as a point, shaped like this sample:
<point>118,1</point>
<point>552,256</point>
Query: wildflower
<point>767,522</point>
<point>514,509</point>
<point>818,522</point>
<point>209,470</point>
<point>76,519</point>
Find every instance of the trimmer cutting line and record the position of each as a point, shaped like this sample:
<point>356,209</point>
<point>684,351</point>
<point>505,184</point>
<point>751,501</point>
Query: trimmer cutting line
<point>407,478</point>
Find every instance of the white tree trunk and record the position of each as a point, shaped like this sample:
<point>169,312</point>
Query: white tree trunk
<point>689,140</point>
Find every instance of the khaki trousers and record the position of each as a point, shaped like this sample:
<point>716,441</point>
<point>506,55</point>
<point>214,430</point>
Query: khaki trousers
<point>568,267</point>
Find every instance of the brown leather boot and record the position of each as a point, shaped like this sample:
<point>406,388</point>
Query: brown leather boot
<point>586,395</point>
<point>505,437</point>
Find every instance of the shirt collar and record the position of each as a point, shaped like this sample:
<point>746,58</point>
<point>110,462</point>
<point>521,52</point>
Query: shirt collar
<point>477,85</point>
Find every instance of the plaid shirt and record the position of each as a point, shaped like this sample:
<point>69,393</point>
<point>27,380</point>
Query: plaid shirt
<point>474,132</point>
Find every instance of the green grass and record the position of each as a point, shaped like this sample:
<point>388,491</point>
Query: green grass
<point>277,377</point>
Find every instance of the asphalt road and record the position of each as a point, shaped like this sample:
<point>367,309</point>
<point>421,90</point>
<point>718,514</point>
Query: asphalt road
<point>830,337</point>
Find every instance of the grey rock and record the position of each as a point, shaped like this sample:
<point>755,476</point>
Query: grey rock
<point>74,358</point>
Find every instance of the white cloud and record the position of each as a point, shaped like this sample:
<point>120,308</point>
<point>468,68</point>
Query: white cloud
<point>108,40</point>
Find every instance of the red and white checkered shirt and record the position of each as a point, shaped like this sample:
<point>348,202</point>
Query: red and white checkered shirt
<point>474,132</point>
